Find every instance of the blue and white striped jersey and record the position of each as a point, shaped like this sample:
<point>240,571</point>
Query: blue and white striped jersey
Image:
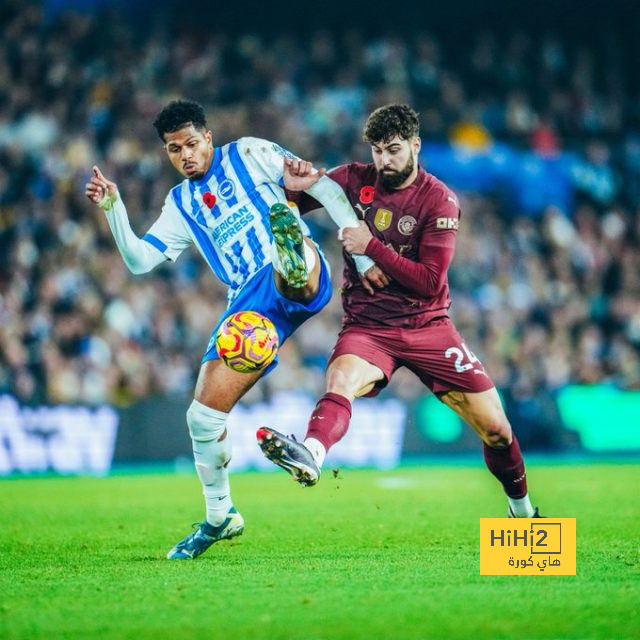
<point>226,213</point>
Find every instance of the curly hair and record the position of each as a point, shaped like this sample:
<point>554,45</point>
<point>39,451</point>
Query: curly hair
<point>389,121</point>
<point>178,114</point>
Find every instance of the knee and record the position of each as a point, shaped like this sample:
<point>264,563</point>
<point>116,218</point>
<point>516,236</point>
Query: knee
<point>342,380</point>
<point>496,431</point>
<point>206,424</point>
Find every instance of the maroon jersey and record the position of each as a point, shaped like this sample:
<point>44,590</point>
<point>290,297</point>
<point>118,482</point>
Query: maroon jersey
<point>413,242</point>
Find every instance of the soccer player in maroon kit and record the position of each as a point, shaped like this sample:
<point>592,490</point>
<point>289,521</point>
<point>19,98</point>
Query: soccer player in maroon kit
<point>410,219</point>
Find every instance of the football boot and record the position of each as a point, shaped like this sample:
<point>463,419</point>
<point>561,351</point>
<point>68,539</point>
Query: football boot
<point>291,455</point>
<point>205,535</point>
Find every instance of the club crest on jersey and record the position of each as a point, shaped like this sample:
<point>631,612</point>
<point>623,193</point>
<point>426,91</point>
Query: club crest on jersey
<point>226,189</point>
<point>447,223</point>
<point>382,220</point>
<point>406,225</point>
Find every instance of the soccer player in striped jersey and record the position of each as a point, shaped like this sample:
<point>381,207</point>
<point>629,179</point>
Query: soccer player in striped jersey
<point>232,206</point>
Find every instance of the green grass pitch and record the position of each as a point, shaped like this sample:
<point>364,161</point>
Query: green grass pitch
<point>366,555</point>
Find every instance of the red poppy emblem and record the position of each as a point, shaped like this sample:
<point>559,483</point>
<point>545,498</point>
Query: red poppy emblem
<point>366,195</point>
<point>209,199</point>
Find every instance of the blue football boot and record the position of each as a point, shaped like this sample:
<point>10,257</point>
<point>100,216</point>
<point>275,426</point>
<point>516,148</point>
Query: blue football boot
<point>206,534</point>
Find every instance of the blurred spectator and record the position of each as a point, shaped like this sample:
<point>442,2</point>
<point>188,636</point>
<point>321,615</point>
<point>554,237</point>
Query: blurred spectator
<point>548,301</point>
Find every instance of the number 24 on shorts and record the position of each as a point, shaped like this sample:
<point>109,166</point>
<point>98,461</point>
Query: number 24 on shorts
<point>460,364</point>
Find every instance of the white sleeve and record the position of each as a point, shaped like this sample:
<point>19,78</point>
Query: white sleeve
<point>270,156</point>
<point>140,255</point>
<point>330,194</point>
<point>169,233</point>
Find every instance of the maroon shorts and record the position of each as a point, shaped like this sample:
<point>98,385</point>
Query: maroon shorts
<point>436,353</point>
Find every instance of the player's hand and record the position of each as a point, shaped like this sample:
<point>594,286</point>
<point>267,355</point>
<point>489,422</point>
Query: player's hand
<point>99,186</point>
<point>298,174</point>
<point>374,278</point>
<point>355,239</point>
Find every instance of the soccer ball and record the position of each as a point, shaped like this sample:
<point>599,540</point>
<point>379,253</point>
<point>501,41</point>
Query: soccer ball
<point>247,341</point>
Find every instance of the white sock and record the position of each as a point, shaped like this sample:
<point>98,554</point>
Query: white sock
<point>521,507</point>
<point>317,450</point>
<point>309,257</point>
<point>211,452</point>
<point>309,253</point>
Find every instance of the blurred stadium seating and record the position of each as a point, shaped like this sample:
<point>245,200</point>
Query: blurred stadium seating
<point>538,132</point>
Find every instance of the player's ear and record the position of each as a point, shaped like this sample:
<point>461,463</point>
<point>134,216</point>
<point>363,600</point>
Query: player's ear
<point>417,144</point>
<point>208,136</point>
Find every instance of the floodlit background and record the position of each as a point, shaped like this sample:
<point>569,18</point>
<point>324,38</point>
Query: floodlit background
<point>530,113</point>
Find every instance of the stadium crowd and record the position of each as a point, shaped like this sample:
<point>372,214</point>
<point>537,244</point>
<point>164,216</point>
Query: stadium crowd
<point>545,300</point>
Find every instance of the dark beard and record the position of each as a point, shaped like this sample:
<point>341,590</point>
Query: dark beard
<point>395,179</point>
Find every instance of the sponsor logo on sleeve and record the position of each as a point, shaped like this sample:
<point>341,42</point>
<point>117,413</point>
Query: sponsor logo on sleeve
<point>447,223</point>
<point>282,152</point>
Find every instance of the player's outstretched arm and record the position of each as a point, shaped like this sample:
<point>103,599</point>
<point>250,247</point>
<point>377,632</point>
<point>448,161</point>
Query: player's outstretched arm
<point>299,175</point>
<point>138,255</point>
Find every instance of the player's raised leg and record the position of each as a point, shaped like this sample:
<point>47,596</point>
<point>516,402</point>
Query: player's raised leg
<point>296,261</point>
<point>217,391</point>
<point>484,413</point>
<point>348,376</point>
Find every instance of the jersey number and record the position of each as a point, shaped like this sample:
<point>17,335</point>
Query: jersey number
<point>460,364</point>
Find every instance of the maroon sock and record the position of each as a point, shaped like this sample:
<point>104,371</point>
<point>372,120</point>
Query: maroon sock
<point>330,419</point>
<point>507,465</point>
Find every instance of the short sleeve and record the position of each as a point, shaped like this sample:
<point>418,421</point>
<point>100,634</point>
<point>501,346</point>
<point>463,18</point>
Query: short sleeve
<point>169,233</point>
